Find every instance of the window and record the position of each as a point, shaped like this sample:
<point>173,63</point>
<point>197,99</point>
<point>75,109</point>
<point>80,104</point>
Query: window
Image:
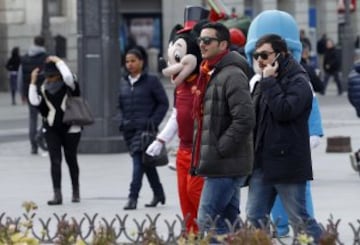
<point>55,7</point>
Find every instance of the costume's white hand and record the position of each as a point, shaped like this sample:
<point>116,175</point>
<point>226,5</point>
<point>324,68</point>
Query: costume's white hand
<point>314,141</point>
<point>154,148</point>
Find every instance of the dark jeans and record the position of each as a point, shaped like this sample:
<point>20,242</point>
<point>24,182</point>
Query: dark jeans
<point>261,197</point>
<point>137,175</point>
<point>220,196</point>
<point>13,87</point>
<point>69,141</point>
<point>337,81</point>
<point>33,122</point>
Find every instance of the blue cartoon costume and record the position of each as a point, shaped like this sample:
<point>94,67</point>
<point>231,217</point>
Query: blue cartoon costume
<point>284,25</point>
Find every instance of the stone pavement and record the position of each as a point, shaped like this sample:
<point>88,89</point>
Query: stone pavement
<point>105,178</point>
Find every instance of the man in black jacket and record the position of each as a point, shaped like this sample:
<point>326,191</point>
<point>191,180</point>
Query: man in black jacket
<point>332,66</point>
<point>225,118</point>
<point>283,100</point>
<point>35,58</point>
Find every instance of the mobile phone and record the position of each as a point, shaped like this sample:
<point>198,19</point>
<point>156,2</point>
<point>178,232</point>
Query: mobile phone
<point>275,59</point>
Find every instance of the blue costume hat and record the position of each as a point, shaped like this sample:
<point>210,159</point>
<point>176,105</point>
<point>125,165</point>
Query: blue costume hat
<point>275,22</point>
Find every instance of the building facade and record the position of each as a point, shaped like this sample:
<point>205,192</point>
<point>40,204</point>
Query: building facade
<point>20,21</point>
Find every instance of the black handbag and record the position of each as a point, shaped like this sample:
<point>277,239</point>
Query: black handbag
<point>77,111</point>
<point>147,137</point>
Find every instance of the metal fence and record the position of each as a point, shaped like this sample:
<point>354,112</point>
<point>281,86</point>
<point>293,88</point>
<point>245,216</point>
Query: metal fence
<point>95,230</point>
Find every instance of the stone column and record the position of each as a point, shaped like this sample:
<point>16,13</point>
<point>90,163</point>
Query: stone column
<point>99,73</point>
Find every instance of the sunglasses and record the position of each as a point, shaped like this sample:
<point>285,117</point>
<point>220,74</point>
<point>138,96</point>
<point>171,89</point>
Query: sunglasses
<point>264,55</point>
<point>206,40</point>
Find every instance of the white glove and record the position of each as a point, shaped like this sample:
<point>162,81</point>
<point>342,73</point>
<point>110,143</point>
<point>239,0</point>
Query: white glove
<point>314,141</point>
<point>170,129</point>
<point>154,148</point>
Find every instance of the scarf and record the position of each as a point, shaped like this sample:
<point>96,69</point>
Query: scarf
<point>199,90</point>
<point>54,87</point>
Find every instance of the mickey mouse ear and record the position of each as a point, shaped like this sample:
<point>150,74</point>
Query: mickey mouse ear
<point>173,32</point>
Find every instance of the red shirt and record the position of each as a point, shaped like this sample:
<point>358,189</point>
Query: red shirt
<point>183,104</point>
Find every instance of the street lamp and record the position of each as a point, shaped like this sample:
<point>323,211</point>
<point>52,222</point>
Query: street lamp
<point>45,28</point>
<point>99,73</point>
<point>347,43</point>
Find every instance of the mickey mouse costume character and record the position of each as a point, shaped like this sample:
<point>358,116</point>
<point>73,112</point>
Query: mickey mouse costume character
<point>184,59</point>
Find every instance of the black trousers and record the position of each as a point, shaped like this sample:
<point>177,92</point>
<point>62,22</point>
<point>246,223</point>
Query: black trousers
<point>56,140</point>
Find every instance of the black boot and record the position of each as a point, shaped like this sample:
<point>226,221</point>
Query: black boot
<point>76,194</point>
<point>57,200</point>
<point>131,204</point>
<point>155,201</point>
<point>34,150</point>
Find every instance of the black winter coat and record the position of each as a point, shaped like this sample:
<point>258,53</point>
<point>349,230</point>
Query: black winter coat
<point>143,102</point>
<point>354,87</point>
<point>229,118</point>
<point>13,63</point>
<point>284,103</point>
<point>316,83</point>
<point>332,61</point>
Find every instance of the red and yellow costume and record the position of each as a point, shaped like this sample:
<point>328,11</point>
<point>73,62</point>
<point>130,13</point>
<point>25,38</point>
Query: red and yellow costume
<point>189,187</point>
<point>183,67</point>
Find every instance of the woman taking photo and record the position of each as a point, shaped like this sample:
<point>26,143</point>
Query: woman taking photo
<point>142,101</point>
<point>50,101</point>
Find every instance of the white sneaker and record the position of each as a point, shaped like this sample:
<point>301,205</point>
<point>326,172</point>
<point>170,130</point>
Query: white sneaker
<point>43,153</point>
<point>354,162</point>
<point>172,165</point>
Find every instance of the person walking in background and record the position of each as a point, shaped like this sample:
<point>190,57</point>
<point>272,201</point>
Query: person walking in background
<point>35,58</point>
<point>142,101</point>
<point>283,101</point>
<point>305,39</point>
<point>332,65</point>
<point>50,101</point>
<point>315,80</point>
<point>354,98</point>
<point>12,66</point>
<point>321,44</point>
<point>225,118</point>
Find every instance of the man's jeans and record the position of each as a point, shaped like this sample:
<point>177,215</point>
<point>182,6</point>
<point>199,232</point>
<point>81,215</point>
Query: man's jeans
<point>220,197</point>
<point>261,198</point>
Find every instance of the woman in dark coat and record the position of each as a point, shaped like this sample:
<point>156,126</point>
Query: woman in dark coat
<point>142,101</point>
<point>12,66</point>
